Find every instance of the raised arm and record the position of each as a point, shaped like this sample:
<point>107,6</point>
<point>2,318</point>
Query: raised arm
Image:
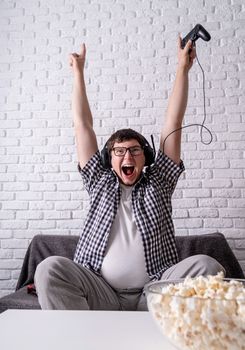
<point>83,122</point>
<point>171,144</point>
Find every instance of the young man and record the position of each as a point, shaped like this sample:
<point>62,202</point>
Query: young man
<point>128,237</point>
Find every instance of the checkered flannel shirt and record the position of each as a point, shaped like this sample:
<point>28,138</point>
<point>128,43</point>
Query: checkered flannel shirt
<point>152,209</point>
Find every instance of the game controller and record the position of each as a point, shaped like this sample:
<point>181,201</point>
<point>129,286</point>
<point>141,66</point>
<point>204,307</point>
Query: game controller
<point>197,32</point>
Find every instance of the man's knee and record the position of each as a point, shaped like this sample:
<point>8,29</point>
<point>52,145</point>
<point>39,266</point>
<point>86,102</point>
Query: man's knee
<point>206,265</point>
<point>47,270</point>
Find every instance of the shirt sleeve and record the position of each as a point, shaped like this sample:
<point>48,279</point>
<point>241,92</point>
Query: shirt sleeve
<point>166,170</point>
<point>92,172</point>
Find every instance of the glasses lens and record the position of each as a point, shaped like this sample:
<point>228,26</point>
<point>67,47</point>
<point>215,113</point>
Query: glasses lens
<point>119,151</point>
<point>135,151</point>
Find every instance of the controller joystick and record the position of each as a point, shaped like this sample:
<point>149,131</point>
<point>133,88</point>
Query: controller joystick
<point>197,32</point>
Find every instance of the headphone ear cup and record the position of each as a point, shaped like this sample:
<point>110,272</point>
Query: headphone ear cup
<point>105,158</point>
<point>149,155</point>
<point>149,152</point>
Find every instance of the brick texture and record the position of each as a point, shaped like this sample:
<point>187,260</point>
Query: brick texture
<point>131,61</point>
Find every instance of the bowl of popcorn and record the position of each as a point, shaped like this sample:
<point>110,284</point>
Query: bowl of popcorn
<point>201,313</point>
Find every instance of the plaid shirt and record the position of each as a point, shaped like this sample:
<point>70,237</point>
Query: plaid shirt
<point>152,209</point>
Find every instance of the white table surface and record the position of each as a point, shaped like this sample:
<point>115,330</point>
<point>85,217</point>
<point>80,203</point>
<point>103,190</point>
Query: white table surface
<point>83,330</point>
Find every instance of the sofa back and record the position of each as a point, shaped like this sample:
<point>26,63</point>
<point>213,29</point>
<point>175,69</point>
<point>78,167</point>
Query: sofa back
<point>213,244</point>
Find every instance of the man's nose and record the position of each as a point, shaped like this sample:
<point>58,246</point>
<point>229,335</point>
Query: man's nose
<point>128,154</point>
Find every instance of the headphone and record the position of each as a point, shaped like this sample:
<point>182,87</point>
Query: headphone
<point>149,153</point>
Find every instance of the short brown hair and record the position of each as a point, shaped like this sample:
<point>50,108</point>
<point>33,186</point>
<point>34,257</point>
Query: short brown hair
<point>125,135</point>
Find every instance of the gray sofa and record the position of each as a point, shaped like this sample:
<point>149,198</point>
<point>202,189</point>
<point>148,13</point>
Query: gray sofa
<point>42,246</point>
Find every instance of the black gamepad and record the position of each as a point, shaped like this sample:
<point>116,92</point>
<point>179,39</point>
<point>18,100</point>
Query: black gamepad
<point>197,32</point>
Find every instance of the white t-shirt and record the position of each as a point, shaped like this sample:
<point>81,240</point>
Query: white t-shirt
<point>124,262</point>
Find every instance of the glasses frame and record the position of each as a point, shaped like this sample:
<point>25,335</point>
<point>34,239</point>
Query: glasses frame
<point>139,151</point>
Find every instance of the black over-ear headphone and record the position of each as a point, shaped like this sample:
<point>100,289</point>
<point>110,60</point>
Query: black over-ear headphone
<point>149,153</point>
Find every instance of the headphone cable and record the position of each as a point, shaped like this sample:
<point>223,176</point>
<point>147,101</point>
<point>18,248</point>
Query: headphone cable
<point>204,112</point>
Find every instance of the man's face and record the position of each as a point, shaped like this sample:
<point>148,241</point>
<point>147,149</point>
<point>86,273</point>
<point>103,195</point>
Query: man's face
<point>129,166</point>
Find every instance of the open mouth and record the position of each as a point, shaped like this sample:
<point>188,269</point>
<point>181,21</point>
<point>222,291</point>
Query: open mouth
<point>128,169</point>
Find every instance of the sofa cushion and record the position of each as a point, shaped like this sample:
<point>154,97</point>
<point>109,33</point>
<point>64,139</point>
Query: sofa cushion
<point>19,300</point>
<point>41,247</point>
<point>214,245</point>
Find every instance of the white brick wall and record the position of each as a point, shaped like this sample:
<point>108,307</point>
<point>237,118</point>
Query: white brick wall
<point>131,62</point>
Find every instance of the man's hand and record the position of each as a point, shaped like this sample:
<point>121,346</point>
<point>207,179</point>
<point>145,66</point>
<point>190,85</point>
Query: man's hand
<point>186,56</point>
<point>77,61</point>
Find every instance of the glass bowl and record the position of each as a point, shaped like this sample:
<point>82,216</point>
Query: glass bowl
<point>203,313</point>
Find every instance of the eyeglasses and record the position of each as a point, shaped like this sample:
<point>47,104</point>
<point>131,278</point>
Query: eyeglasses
<point>121,151</point>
